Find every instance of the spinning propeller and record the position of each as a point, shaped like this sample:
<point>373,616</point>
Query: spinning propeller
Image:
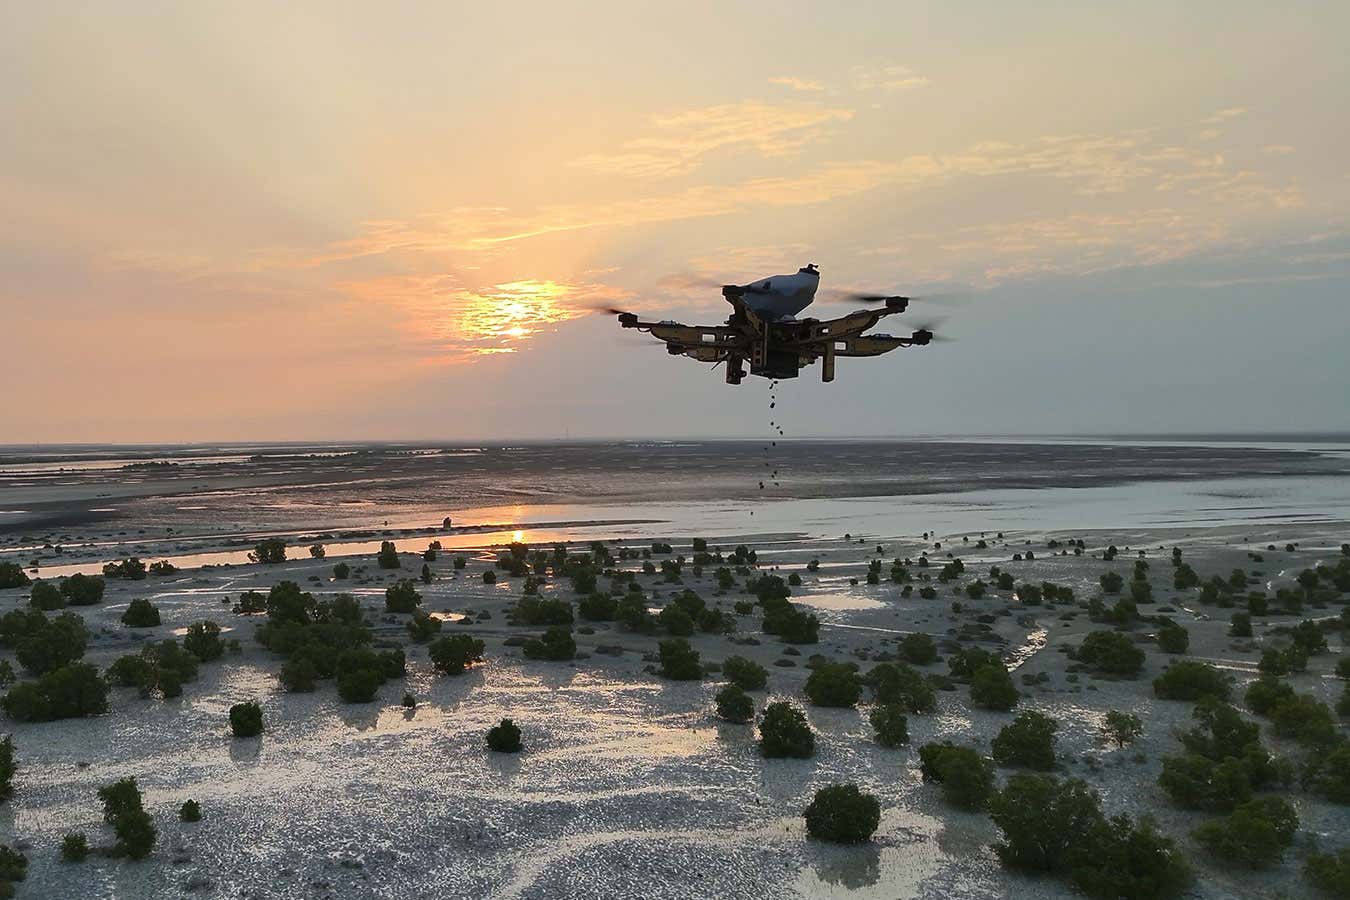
<point>924,334</point>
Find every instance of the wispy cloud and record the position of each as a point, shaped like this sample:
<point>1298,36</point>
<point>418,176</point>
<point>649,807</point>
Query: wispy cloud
<point>797,84</point>
<point>679,142</point>
<point>1224,115</point>
<point>890,78</point>
<point>483,229</point>
<point>1088,165</point>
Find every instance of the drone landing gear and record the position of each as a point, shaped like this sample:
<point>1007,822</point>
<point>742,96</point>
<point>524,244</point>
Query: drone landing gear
<point>735,369</point>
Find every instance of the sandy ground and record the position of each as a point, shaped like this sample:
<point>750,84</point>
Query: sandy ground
<point>628,786</point>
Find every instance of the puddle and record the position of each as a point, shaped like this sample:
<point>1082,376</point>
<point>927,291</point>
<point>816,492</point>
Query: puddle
<point>839,601</point>
<point>180,632</point>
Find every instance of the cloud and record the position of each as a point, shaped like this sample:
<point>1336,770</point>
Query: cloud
<point>1277,150</point>
<point>797,84</point>
<point>889,78</point>
<point>1286,278</point>
<point>681,141</point>
<point>482,229</point>
<point>1224,115</point>
<point>1094,166</point>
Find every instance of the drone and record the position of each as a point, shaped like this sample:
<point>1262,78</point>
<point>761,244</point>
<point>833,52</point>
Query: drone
<point>763,330</point>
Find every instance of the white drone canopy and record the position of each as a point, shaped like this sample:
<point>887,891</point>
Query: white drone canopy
<point>780,296</point>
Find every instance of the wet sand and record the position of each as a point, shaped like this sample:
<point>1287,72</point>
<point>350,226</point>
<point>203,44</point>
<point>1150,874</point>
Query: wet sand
<point>628,785</point>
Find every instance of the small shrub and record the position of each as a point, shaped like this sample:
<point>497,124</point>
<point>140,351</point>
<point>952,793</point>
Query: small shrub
<point>543,611</point>
<point>65,693</point>
<point>842,814</point>
<point>1044,821</point>
<point>45,596</point>
<point>1121,728</point>
<point>992,687</point>
<point>734,704</point>
<point>130,569</point>
<point>12,575</point>
<point>423,627</point>
<point>1256,834</point>
<point>246,719</point>
<point>918,649</point>
<point>141,614</point>
<point>1305,719</point>
<point>135,835</point>
<point>504,737</point>
<point>358,685</point>
<point>834,684</point>
<point>298,675</point>
<point>1172,638</point>
<point>203,641</point>
<point>1190,680</point>
<point>967,778</point>
<point>890,724</point>
<point>1111,653</point>
<point>899,684</point>
<point>1330,872</point>
<point>453,653</point>
<point>1058,827</point>
<point>597,608</point>
<point>270,551</point>
<point>75,847</point>
<point>52,643</point>
<point>133,826</point>
<point>387,558</point>
<point>556,643</point>
<point>1028,741</point>
<point>402,596</point>
<point>784,732</point>
<point>1329,776</point>
<point>679,661</point>
<point>744,673</point>
<point>191,810</point>
<point>676,621</point>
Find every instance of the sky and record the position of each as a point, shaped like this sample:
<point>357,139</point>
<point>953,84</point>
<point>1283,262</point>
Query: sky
<point>308,221</point>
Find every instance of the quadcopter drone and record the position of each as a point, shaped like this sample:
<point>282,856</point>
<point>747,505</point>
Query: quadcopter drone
<point>763,330</point>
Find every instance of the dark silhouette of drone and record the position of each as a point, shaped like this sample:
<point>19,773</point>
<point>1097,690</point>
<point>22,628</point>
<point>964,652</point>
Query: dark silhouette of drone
<point>764,331</point>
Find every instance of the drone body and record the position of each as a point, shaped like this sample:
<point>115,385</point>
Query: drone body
<point>764,332</point>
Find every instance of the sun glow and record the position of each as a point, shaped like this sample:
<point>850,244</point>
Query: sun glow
<point>513,312</point>
<point>518,537</point>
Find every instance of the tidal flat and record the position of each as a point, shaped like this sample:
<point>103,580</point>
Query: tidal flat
<point>628,783</point>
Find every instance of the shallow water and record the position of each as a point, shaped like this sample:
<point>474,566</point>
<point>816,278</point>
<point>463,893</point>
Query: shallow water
<point>622,783</point>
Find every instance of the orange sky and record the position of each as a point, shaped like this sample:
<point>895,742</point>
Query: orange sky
<point>250,222</point>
